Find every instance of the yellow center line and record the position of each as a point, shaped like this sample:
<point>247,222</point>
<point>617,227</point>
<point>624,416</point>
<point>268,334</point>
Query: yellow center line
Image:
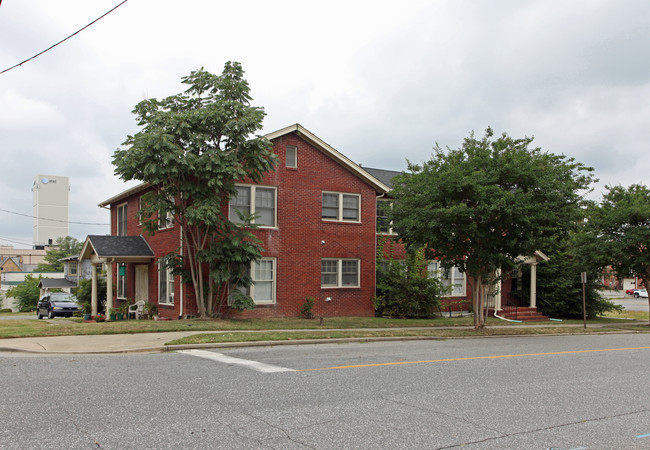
<point>475,357</point>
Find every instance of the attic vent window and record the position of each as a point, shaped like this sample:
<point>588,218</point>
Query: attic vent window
<point>292,156</point>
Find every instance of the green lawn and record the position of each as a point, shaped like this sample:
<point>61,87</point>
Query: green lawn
<point>75,326</point>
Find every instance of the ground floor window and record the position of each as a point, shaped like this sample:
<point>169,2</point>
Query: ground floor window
<point>262,291</point>
<point>165,285</point>
<point>339,272</point>
<point>449,277</point>
<point>121,281</point>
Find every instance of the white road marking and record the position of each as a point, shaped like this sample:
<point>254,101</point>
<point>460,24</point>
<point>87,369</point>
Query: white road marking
<point>220,357</point>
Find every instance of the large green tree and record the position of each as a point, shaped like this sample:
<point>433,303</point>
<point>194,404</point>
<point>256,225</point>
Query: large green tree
<point>618,232</point>
<point>63,247</point>
<point>192,149</point>
<point>482,206</point>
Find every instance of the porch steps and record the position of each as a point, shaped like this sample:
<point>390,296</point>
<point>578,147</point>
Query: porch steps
<point>525,315</point>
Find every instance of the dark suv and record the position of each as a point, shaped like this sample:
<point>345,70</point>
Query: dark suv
<point>55,304</point>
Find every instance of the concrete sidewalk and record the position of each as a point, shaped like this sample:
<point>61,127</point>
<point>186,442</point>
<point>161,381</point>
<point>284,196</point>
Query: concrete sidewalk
<point>155,342</point>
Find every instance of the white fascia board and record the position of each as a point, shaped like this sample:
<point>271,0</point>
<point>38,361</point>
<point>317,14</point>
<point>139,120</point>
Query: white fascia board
<point>331,152</point>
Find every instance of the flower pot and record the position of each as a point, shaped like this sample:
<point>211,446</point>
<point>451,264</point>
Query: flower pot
<point>86,316</point>
<point>112,316</point>
<point>119,316</point>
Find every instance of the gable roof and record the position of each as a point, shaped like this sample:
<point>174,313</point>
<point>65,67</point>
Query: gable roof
<point>337,156</point>
<point>379,184</point>
<point>119,248</point>
<point>124,194</point>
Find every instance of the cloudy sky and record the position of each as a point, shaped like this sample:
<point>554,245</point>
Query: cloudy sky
<point>379,81</point>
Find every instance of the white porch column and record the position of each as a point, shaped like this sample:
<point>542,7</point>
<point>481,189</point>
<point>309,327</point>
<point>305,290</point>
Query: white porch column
<point>533,285</point>
<point>109,287</point>
<point>93,291</point>
<point>497,292</point>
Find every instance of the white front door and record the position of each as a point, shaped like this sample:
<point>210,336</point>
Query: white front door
<point>142,283</point>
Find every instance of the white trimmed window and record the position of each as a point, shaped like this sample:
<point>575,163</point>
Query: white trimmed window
<point>121,281</point>
<point>260,200</point>
<point>292,156</point>
<point>167,221</point>
<point>384,226</point>
<point>339,273</point>
<point>449,277</point>
<point>341,207</point>
<point>165,285</point>
<point>72,268</point>
<point>263,273</point>
<point>121,219</point>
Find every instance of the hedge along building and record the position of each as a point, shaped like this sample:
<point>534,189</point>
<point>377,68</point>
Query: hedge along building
<point>316,216</point>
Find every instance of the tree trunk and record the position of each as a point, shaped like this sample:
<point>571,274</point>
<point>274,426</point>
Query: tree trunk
<point>476,303</point>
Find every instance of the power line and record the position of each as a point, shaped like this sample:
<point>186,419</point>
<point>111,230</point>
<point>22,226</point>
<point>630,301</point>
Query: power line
<point>54,220</point>
<point>2,238</point>
<point>63,40</point>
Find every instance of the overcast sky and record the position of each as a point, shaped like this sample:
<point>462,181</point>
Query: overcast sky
<point>379,81</point>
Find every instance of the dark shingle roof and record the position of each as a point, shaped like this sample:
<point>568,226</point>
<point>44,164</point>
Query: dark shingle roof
<point>116,246</point>
<point>385,176</point>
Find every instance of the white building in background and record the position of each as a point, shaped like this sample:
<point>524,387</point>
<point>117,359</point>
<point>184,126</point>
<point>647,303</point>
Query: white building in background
<point>51,194</point>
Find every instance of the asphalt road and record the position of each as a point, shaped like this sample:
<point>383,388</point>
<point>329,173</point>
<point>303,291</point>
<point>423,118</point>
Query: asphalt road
<point>633,304</point>
<point>569,392</point>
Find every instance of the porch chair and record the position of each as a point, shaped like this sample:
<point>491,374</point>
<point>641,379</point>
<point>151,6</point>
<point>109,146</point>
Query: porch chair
<point>136,309</point>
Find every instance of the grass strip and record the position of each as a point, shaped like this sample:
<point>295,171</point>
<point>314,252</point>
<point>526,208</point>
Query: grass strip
<point>215,338</point>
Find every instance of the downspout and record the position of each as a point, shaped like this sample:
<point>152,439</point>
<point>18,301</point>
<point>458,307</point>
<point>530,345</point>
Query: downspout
<point>376,198</point>
<point>507,320</point>
<point>181,290</point>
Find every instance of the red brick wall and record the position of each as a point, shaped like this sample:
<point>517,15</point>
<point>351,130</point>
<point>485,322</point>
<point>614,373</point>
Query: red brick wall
<point>162,242</point>
<point>299,242</point>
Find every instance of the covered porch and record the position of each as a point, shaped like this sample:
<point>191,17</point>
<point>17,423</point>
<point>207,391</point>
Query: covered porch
<point>498,301</point>
<point>109,251</point>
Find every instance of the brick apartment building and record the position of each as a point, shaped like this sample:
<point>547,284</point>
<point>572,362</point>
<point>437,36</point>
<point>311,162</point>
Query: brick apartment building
<point>319,218</point>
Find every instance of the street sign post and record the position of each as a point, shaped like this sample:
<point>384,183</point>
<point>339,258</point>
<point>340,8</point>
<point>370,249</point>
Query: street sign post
<point>583,277</point>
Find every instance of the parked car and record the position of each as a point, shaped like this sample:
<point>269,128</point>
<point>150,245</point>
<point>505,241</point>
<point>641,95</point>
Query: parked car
<point>641,293</point>
<point>57,304</point>
<point>630,291</point>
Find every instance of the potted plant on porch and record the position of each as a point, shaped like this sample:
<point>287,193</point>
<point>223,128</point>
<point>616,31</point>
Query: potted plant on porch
<point>85,310</point>
<point>112,314</point>
<point>123,309</point>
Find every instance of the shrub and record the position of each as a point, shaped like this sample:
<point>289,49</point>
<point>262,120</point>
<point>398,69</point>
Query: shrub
<point>83,292</point>
<point>306,307</point>
<point>404,289</point>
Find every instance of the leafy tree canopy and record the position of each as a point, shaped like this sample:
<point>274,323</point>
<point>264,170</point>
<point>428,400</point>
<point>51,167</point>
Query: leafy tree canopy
<point>26,293</point>
<point>63,247</point>
<point>485,204</point>
<point>192,149</point>
<point>617,232</point>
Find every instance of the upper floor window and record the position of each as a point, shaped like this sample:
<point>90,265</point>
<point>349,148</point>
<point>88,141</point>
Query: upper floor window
<point>384,226</point>
<point>72,268</point>
<point>257,200</point>
<point>449,277</point>
<point>339,273</point>
<point>292,156</point>
<point>121,219</point>
<point>166,218</point>
<point>341,207</point>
